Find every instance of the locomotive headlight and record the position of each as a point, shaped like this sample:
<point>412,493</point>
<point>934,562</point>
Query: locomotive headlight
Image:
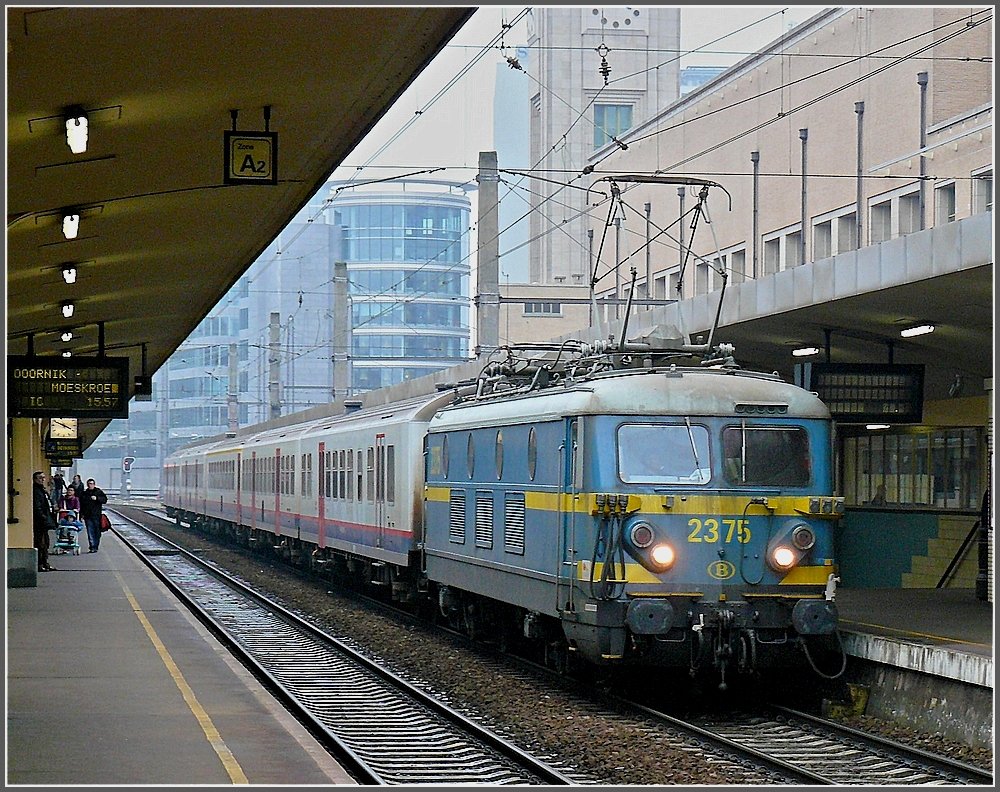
<point>642,534</point>
<point>662,556</point>
<point>803,537</point>
<point>783,557</point>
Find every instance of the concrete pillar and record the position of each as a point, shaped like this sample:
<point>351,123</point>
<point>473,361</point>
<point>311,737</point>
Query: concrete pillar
<point>25,456</point>
<point>343,333</point>
<point>488,260</point>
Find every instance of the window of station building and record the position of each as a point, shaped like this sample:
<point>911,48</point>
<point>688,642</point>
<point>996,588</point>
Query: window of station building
<point>772,256</point>
<point>543,309</point>
<point>909,213</point>
<point>926,467</point>
<point>822,240</point>
<point>880,225</point>
<point>982,191</point>
<point>847,232</point>
<point>610,121</point>
<point>944,204</point>
<point>782,249</point>
<point>671,291</point>
<point>793,249</point>
<point>737,268</point>
<point>701,277</point>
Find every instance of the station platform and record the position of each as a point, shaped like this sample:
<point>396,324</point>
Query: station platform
<point>110,681</point>
<point>942,632</point>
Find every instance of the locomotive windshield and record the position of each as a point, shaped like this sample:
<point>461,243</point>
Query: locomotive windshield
<point>663,454</point>
<point>766,455</point>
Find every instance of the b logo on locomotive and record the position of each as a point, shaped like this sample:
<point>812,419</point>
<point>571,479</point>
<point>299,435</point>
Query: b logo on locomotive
<point>721,570</point>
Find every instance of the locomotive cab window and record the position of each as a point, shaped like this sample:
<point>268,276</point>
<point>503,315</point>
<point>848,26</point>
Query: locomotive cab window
<point>766,455</point>
<point>663,454</point>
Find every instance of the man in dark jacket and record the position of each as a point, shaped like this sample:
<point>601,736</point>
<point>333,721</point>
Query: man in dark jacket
<point>91,500</point>
<point>42,520</point>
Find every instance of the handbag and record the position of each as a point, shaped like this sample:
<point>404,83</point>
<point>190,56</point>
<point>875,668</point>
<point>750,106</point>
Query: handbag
<point>105,523</point>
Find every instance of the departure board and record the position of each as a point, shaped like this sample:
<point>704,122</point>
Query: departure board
<point>63,447</point>
<point>77,387</point>
<point>867,392</point>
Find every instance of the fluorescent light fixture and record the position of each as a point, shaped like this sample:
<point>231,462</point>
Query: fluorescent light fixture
<point>876,426</point>
<point>67,309</point>
<point>69,273</point>
<point>67,353</point>
<point>805,351</point>
<point>71,225</point>
<point>67,336</point>
<point>909,332</point>
<point>76,132</point>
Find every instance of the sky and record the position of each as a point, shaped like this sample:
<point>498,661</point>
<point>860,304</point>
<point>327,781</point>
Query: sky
<point>454,126</point>
<point>445,118</point>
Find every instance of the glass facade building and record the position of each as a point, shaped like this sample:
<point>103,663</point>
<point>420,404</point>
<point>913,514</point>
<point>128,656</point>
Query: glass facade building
<point>407,252</point>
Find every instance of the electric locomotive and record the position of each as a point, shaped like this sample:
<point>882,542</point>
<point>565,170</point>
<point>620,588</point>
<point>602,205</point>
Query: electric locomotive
<point>616,503</point>
<point>632,512</point>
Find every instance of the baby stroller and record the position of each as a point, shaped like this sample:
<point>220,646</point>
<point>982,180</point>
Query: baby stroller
<point>68,532</point>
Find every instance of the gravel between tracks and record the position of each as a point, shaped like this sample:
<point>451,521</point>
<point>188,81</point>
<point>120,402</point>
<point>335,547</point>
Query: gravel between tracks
<point>535,714</point>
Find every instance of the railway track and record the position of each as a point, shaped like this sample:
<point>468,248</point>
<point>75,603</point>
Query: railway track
<point>381,728</point>
<point>784,746</point>
<point>807,749</point>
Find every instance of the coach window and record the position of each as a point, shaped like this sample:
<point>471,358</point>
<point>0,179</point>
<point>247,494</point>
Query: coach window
<point>335,492</point>
<point>371,475</point>
<point>471,455</point>
<point>532,452</point>
<point>328,475</point>
<point>350,474</point>
<point>390,473</point>
<point>343,475</point>
<point>361,476</point>
<point>499,454</point>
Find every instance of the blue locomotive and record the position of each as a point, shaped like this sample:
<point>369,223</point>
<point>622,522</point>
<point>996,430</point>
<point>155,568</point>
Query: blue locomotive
<point>616,503</point>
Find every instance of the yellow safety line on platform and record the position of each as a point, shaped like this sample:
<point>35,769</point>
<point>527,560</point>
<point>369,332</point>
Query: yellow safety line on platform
<point>915,634</point>
<point>236,773</point>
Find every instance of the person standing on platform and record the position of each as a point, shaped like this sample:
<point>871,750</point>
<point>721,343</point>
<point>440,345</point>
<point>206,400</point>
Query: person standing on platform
<point>42,520</point>
<point>77,483</point>
<point>58,487</point>
<point>91,501</point>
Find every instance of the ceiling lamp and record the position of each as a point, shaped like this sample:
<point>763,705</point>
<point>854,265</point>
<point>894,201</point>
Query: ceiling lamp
<point>76,131</point>
<point>69,273</point>
<point>874,427</point>
<point>67,336</point>
<point>67,309</point>
<point>805,351</point>
<point>909,332</point>
<point>67,353</point>
<point>71,225</point>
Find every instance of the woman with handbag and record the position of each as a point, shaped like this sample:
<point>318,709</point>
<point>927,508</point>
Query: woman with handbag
<point>91,501</point>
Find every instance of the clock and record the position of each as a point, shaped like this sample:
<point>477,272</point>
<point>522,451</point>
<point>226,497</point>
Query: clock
<point>63,427</point>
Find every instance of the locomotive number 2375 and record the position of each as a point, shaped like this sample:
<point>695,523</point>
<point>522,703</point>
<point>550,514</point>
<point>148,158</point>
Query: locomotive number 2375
<point>713,530</point>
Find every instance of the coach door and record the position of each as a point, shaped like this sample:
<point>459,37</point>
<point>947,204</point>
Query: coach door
<point>380,505</point>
